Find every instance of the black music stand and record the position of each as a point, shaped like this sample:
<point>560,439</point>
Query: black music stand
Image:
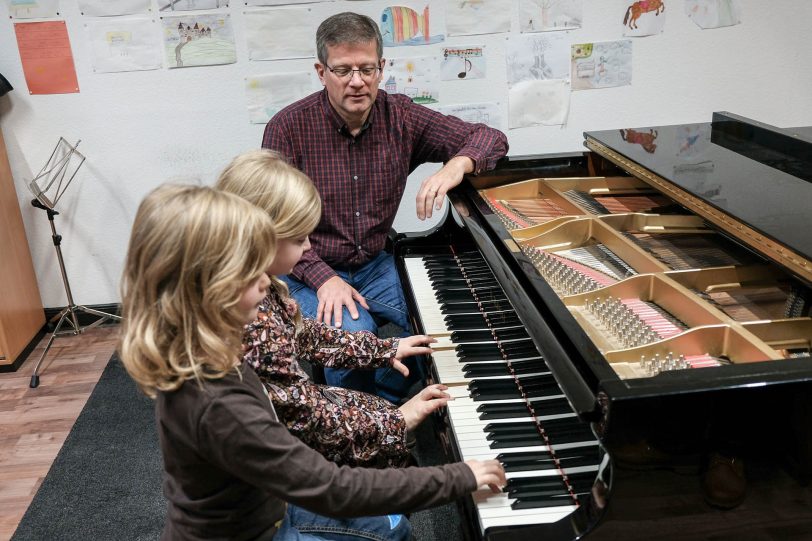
<point>48,187</point>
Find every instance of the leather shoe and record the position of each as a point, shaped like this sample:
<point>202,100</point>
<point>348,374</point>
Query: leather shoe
<point>723,483</point>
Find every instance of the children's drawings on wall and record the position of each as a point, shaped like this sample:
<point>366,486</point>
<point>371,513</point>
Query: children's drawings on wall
<point>533,103</point>
<point>105,8</point>
<point>713,13</point>
<point>417,77</point>
<point>280,2</point>
<point>198,40</point>
<point>545,15</point>
<point>537,68</point>
<point>644,18</point>
<point>47,58</point>
<point>32,9</point>
<point>269,94</point>
<point>601,65</point>
<point>276,34</point>
<point>466,17</point>
<point>463,62</point>
<point>482,113</point>
<point>190,5</point>
<point>402,25</point>
<point>124,45</point>
<point>537,57</point>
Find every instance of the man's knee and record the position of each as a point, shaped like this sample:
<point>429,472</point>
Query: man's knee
<point>365,321</point>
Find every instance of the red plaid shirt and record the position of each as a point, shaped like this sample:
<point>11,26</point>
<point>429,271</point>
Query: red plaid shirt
<point>361,179</point>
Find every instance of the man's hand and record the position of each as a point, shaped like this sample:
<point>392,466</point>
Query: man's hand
<point>409,346</point>
<point>433,189</point>
<point>334,295</point>
<point>423,403</point>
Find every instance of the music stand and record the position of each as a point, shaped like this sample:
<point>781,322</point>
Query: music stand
<point>48,188</point>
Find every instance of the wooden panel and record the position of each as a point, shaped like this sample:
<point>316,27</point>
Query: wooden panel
<point>21,313</point>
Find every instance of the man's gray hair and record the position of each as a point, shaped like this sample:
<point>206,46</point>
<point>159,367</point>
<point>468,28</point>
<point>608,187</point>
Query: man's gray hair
<point>347,28</point>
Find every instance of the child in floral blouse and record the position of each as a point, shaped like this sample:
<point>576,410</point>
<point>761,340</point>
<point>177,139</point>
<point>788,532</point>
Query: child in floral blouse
<point>347,426</point>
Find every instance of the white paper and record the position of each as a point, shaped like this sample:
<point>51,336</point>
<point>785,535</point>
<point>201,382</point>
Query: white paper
<point>275,34</point>
<point>417,77</point>
<point>198,40</point>
<point>190,5</point>
<point>601,65</point>
<point>713,13</point>
<point>105,8</point>
<point>537,57</point>
<point>538,102</point>
<point>124,45</point>
<point>401,26</point>
<point>487,113</point>
<point>268,94</point>
<point>644,18</point>
<point>463,62</point>
<point>465,17</point>
<point>281,2</point>
<point>545,15</point>
<point>32,9</point>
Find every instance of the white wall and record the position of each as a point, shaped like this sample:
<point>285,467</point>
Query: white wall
<point>143,128</point>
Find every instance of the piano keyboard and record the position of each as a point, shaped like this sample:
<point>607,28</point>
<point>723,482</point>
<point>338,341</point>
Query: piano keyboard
<point>507,404</point>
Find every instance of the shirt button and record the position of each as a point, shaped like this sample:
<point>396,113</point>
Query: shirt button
<point>355,177</point>
<point>357,213</point>
<point>359,248</point>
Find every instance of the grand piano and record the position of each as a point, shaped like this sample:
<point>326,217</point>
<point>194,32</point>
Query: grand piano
<point>608,319</point>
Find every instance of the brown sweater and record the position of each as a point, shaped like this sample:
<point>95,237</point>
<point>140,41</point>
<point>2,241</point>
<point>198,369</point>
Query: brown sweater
<point>230,465</point>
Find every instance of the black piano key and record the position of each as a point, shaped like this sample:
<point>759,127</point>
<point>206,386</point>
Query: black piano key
<point>514,462</point>
<point>480,321</point>
<point>475,307</point>
<point>482,370</point>
<point>482,335</point>
<point>580,480</point>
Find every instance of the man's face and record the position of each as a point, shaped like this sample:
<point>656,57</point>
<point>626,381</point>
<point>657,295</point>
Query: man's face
<point>351,95</point>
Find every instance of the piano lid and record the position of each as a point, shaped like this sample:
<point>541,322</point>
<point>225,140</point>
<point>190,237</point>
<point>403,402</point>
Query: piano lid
<point>750,179</point>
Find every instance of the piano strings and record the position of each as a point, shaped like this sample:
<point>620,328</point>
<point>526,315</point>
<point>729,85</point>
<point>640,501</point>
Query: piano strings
<point>683,251</point>
<point>618,203</point>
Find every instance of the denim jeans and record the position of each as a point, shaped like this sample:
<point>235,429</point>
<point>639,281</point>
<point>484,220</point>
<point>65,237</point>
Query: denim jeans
<point>302,525</point>
<point>379,284</point>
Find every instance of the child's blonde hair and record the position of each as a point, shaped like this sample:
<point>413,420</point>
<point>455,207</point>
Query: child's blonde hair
<point>193,251</point>
<point>263,178</point>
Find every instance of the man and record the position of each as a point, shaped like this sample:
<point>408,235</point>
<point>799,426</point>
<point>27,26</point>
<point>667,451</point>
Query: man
<point>359,145</point>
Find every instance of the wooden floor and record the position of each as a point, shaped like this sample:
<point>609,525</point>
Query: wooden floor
<point>35,422</point>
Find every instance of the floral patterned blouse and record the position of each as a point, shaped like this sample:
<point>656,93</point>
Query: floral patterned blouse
<point>346,426</point>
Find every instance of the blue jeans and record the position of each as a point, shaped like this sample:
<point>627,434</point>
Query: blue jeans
<point>302,525</point>
<point>379,283</point>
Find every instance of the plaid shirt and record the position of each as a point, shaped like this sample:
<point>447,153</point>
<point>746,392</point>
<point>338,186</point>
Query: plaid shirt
<point>361,179</point>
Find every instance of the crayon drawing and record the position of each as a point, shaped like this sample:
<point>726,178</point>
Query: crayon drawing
<point>401,25</point>
<point>32,9</point>
<point>417,77</point>
<point>124,44</point>
<point>644,18</point>
<point>466,17</point>
<point>198,40</point>
<point>190,5</point>
<point>546,15</point>
<point>713,13</point>
<point>462,63</point>
<point>601,65</point>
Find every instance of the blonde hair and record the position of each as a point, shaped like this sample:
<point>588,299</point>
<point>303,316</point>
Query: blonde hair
<point>263,178</point>
<point>192,252</point>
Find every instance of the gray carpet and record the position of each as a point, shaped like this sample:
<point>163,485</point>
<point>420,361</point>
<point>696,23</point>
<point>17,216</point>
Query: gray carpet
<point>106,480</point>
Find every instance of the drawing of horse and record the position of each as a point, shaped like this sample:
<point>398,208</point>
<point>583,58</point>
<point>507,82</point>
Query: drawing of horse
<point>643,6</point>
<point>645,140</point>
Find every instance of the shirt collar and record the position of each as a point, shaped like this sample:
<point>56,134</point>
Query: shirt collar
<point>339,122</point>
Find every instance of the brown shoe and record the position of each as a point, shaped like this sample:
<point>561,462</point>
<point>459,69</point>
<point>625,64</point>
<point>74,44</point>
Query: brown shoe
<point>723,483</point>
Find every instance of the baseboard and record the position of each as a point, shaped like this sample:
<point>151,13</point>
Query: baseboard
<point>51,319</point>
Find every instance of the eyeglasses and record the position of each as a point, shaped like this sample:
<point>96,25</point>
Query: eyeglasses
<point>343,72</point>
